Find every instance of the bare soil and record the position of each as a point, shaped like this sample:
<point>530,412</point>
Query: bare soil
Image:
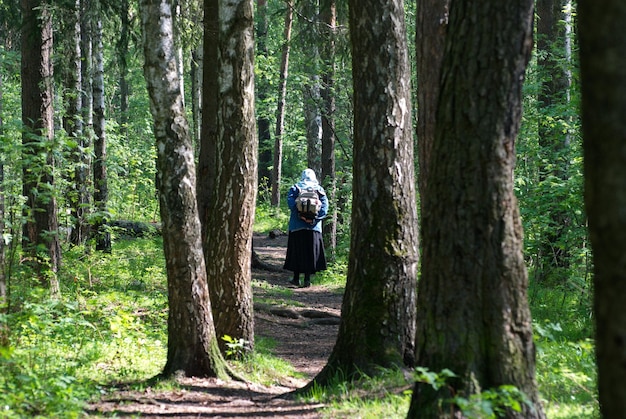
<point>304,327</point>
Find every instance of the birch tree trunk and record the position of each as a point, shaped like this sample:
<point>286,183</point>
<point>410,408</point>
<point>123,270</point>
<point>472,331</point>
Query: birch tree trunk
<point>192,342</point>
<point>229,240</point>
<point>100,181</point>
<point>4,328</point>
<point>207,157</point>
<point>73,125</point>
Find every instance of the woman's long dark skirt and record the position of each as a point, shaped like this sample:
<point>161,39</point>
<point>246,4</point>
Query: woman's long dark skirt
<point>305,252</point>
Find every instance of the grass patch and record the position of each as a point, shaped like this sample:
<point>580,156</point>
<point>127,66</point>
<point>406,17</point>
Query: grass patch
<point>262,367</point>
<point>566,370</point>
<point>386,395</point>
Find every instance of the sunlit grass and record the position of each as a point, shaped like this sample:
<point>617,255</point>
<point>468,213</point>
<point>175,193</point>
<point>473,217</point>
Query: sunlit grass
<point>110,326</point>
<point>386,395</point>
<point>264,368</point>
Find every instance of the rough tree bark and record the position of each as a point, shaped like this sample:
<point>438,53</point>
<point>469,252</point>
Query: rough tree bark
<point>192,343</point>
<point>473,316</point>
<point>41,227</point>
<point>603,76</point>
<point>207,159</point>
<point>378,312</point>
<point>229,246</point>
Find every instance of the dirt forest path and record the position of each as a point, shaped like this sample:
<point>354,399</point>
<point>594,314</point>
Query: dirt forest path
<point>303,325</point>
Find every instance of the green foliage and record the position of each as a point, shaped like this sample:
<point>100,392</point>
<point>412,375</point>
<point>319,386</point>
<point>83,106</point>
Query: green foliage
<point>435,380</point>
<point>236,348</point>
<point>385,395</point>
<point>487,404</point>
<point>492,403</point>
<point>102,329</point>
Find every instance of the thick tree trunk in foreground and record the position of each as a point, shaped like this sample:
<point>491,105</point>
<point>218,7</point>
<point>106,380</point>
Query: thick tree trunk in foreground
<point>41,228</point>
<point>603,77</point>
<point>229,247</point>
<point>192,344</point>
<point>378,312</point>
<point>473,315</point>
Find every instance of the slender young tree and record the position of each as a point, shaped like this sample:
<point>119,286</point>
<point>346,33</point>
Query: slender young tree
<point>73,124</point>
<point>262,85</point>
<point>377,326</point>
<point>41,228</point>
<point>280,109</point>
<point>84,173</point>
<point>192,343</point>
<point>122,62</point>
<point>4,332</point>
<point>603,77</point>
<point>229,242</point>
<point>473,315</point>
<point>328,17</point>
<point>100,180</point>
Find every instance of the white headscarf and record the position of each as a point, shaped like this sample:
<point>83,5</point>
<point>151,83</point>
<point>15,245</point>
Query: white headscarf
<point>308,179</point>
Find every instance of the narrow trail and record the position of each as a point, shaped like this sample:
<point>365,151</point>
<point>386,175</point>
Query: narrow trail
<point>302,322</point>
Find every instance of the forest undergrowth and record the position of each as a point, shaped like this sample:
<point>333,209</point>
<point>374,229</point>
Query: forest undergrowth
<point>107,333</point>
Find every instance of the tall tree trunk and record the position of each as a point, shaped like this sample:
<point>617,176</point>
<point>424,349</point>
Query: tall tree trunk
<point>73,125</point>
<point>553,138</point>
<point>232,216</point>
<point>262,85</point>
<point>432,23</point>
<point>87,139</point>
<point>328,15</point>
<point>378,312</point>
<point>100,181</point>
<point>122,53</point>
<point>473,315</point>
<point>602,42</point>
<point>4,327</point>
<point>280,109</point>
<point>192,342</point>
<point>41,228</point>
<point>207,157</point>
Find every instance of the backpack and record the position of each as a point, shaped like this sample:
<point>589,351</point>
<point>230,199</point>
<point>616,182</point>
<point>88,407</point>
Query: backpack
<point>308,203</point>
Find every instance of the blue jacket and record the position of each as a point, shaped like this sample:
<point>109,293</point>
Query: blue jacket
<point>295,223</point>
